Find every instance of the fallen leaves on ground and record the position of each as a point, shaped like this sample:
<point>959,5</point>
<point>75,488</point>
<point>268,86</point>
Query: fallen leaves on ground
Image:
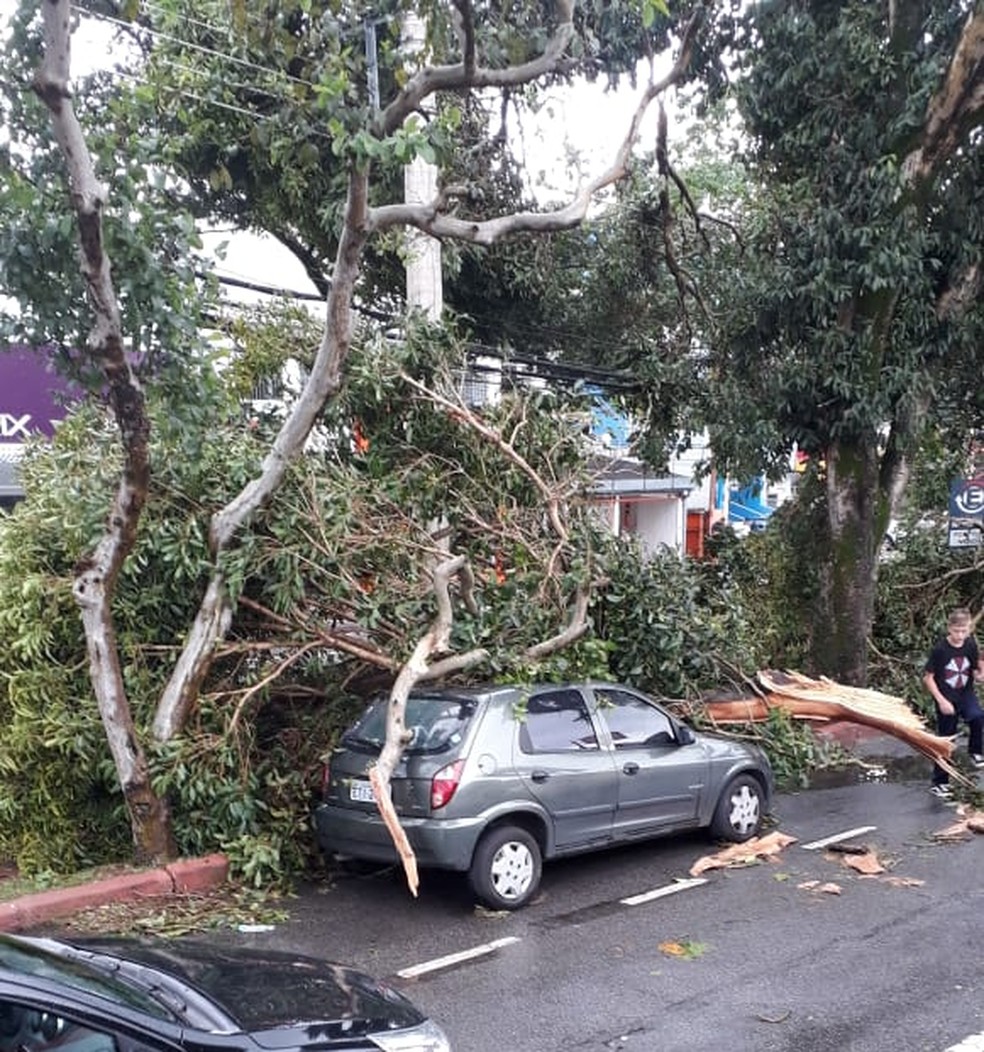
<point>746,854</point>
<point>173,915</point>
<point>13,886</point>
<point>684,948</point>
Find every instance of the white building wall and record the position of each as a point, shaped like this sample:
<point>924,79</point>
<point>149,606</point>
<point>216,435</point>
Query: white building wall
<point>701,497</point>
<point>656,522</point>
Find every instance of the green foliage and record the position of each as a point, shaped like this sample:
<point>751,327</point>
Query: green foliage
<point>830,335</point>
<point>259,116</point>
<point>794,751</point>
<point>920,581</point>
<point>349,543</point>
<point>673,627</point>
<point>775,572</point>
<point>159,295</point>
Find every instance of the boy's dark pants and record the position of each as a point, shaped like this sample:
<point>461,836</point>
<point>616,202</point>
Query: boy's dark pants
<point>946,727</point>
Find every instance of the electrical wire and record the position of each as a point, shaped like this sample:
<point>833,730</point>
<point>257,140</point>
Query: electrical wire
<point>531,330</point>
<point>246,63</point>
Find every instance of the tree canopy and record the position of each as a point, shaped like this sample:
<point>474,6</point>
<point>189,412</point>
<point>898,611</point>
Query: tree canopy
<point>464,51</point>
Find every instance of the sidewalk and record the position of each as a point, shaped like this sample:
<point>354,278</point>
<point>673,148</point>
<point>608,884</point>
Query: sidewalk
<point>185,876</point>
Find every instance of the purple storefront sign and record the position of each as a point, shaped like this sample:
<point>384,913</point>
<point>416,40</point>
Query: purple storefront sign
<point>33,397</point>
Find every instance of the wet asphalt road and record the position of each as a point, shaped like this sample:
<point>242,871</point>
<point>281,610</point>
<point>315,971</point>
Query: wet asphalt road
<point>883,966</point>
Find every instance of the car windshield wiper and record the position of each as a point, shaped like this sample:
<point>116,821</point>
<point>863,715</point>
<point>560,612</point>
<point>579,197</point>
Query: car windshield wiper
<point>183,1001</point>
<point>359,742</point>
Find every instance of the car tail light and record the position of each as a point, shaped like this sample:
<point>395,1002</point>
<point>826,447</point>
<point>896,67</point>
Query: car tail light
<point>325,778</point>
<point>444,783</point>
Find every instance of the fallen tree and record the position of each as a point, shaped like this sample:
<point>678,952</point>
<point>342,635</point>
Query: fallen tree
<point>823,700</point>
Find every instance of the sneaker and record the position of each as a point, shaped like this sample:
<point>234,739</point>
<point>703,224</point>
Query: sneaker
<point>944,792</point>
<point>976,759</point>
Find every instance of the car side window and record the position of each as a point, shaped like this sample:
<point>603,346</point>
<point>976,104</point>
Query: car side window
<point>27,1029</point>
<point>557,721</point>
<point>632,721</point>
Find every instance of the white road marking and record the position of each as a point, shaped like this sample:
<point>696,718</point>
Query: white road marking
<point>456,958</point>
<point>658,893</point>
<point>974,1043</point>
<point>837,838</point>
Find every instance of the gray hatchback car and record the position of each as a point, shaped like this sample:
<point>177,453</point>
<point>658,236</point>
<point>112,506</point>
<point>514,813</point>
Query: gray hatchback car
<point>496,779</point>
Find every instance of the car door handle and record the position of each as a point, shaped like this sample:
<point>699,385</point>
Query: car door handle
<point>630,768</point>
<point>540,776</point>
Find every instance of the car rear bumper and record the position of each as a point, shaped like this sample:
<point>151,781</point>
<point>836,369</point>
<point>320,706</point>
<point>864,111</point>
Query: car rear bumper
<point>443,844</point>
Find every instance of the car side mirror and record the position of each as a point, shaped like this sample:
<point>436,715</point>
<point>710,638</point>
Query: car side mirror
<point>685,736</point>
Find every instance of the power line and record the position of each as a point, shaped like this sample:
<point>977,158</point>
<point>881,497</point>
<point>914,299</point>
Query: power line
<point>264,289</point>
<point>512,362</point>
<point>556,333</point>
<point>197,47</point>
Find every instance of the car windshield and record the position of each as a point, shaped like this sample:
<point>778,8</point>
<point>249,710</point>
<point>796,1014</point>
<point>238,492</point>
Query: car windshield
<point>435,723</point>
<point>33,960</point>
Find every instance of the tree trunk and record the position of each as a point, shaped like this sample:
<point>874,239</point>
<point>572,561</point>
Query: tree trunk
<point>849,575</point>
<point>96,574</point>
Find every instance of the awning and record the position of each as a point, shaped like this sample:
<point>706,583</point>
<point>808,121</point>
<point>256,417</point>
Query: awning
<point>627,477</point>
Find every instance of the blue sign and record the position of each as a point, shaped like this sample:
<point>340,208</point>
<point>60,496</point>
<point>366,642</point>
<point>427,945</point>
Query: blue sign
<point>966,512</point>
<point>967,498</point>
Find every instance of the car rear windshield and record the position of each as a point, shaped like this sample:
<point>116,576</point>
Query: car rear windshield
<point>435,723</point>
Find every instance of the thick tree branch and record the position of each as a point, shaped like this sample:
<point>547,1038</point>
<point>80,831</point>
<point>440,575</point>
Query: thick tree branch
<point>468,74</point>
<point>431,220</point>
<point>434,641</point>
<point>96,574</point>
<point>215,613</point>
<point>575,629</point>
<point>955,108</point>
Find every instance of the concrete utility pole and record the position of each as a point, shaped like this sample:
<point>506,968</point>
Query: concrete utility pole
<point>425,288</point>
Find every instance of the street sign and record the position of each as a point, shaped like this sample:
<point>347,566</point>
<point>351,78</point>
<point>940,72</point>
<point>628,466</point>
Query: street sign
<point>964,536</point>
<point>966,529</point>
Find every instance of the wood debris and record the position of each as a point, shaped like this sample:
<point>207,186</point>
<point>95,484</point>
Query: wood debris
<point>392,821</point>
<point>743,854</point>
<point>825,700</point>
<point>969,821</point>
<point>867,863</point>
<point>826,888</point>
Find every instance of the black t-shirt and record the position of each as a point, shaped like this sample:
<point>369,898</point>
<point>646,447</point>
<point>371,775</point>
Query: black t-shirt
<point>953,669</point>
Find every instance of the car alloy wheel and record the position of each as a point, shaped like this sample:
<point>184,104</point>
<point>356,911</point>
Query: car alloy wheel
<point>505,872</point>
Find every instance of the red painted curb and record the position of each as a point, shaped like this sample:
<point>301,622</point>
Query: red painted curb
<point>198,874</point>
<point>182,876</point>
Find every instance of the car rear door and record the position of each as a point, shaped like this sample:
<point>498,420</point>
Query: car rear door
<point>659,779</point>
<point>562,764</point>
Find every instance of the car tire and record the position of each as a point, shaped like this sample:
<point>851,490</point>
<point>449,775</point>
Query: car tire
<point>739,812</point>
<point>506,868</point>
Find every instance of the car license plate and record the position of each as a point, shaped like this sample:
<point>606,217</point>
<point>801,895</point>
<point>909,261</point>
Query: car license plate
<point>361,791</point>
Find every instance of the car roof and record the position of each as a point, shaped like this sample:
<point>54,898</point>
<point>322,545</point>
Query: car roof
<point>483,691</point>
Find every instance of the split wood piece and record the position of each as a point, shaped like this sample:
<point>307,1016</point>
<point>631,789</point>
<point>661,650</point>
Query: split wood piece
<point>969,821</point>
<point>825,700</point>
<point>392,822</point>
<point>745,853</point>
<point>867,863</point>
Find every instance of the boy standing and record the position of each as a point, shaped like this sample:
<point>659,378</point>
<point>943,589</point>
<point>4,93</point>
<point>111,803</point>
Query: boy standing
<point>951,669</point>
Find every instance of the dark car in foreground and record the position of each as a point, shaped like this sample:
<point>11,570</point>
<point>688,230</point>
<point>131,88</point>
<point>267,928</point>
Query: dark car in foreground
<point>176,996</point>
<point>494,780</point>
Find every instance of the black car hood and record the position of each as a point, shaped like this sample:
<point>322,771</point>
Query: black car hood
<point>280,999</point>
